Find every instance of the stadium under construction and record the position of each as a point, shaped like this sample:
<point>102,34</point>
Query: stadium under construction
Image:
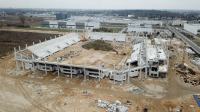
<point>133,56</point>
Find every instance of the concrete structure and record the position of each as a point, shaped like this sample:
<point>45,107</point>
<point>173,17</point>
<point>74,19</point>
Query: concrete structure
<point>52,56</point>
<point>193,28</point>
<point>149,56</point>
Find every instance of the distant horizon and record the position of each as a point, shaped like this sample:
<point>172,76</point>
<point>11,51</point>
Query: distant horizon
<point>103,4</point>
<point>101,9</point>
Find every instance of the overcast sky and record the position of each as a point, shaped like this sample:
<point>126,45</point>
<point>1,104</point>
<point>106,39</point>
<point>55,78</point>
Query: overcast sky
<point>103,4</point>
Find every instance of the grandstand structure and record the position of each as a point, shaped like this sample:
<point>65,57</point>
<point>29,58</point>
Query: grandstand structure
<point>65,55</point>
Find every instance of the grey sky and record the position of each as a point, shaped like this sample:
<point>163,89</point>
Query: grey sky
<point>102,4</point>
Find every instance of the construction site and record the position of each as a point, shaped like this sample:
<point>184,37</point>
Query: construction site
<point>122,58</point>
<point>72,72</point>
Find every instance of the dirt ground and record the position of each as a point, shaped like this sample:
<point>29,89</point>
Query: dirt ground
<point>77,55</point>
<point>28,91</point>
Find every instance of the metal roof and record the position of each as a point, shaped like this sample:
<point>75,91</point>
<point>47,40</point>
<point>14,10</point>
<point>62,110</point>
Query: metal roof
<point>135,53</point>
<point>107,36</point>
<point>44,49</point>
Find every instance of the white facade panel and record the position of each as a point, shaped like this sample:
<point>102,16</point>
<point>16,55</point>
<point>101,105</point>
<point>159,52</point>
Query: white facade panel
<point>107,36</point>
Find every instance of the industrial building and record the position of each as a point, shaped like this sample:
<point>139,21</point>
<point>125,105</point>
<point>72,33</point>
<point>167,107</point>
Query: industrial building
<point>178,22</point>
<point>140,28</point>
<point>50,24</point>
<point>61,16</point>
<point>193,28</point>
<point>89,25</point>
<point>65,55</point>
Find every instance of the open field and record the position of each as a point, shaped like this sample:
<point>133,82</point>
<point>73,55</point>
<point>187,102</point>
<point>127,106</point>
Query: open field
<point>11,39</point>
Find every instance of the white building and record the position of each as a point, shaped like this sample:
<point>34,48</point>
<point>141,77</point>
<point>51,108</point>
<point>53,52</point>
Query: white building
<point>92,25</point>
<point>50,24</point>
<point>193,28</point>
<point>107,36</point>
<point>178,22</point>
<point>140,28</point>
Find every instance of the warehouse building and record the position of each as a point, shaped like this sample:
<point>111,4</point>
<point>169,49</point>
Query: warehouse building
<point>193,28</point>
<point>50,24</point>
<point>140,28</point>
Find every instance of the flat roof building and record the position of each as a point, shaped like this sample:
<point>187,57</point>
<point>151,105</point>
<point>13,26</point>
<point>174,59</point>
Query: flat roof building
<point>193,28</point>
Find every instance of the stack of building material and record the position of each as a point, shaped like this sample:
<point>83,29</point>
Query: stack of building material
<point>114,107</point>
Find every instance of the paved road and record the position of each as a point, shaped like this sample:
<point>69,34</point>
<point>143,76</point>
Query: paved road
<point>182,30</point>
<point>194,46</point>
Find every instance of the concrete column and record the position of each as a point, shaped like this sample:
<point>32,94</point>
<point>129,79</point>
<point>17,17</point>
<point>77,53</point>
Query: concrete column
<point>45,67</point>
<point>19,48</point>
<point>17,67</point>
<point>146,72</point>
<point>58,69</point>
<point>128,73</point>
<point>22,62</point>
<point>84,73</point>
<point>114,74</point>
<point>71,69</point>
<point>114,78</point>
<point>141,73</point>
<point>99,74</point>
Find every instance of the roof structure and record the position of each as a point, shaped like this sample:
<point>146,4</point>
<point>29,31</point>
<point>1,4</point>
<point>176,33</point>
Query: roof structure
<point>152,53</point>
<point>161,54</point>
<point>135,53</point>
<point>155,53</point>
<point>44,49</point>
<point>107,36</point>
